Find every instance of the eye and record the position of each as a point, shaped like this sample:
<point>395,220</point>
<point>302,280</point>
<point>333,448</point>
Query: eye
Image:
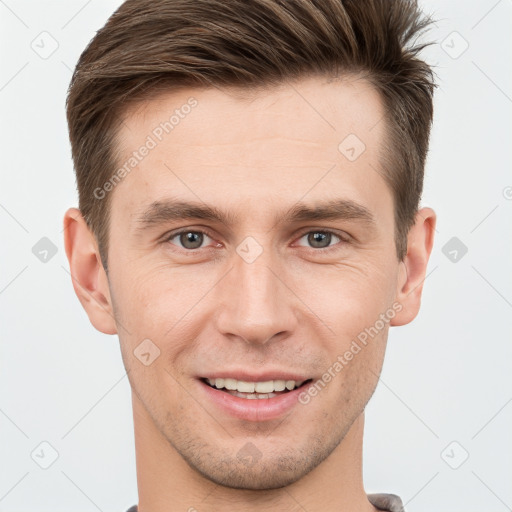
<point>321,239</point>
<point>188,239</point>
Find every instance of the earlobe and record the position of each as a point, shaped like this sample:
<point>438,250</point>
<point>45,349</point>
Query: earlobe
<point>87,273</point>
<point>413,269</point>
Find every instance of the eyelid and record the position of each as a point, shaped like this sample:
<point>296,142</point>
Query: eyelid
<point>344,237</point>
<point>173,234</point>
<point>341,234</point>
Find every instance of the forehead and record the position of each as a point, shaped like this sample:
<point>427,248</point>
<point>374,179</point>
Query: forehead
<point>253,149</point>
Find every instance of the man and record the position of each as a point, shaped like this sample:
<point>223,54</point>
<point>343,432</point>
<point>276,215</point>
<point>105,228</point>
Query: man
<point>249,177</point>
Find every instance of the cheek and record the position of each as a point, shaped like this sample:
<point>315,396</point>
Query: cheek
<point>151,299</point>
<point>348,297</point>
<point>163,306</point>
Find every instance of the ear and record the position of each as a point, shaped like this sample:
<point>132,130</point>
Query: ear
<point>87,273</point>
<point>414,266</point>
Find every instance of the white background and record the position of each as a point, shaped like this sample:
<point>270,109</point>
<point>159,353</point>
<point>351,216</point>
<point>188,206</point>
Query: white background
<point>447,376</point>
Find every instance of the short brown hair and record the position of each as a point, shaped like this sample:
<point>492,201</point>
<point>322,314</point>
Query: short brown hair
<point>151,45</point>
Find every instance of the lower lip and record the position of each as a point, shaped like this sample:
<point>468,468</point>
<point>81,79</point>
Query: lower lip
<point>258,409</point>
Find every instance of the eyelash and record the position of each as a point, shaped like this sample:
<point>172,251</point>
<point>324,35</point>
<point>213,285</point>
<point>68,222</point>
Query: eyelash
<point>343,239</point>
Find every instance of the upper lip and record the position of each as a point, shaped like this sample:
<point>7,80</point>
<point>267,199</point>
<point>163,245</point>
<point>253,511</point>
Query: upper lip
<point>247,376</point>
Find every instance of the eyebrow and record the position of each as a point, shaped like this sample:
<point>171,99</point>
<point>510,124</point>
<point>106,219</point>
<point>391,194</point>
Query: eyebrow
<point>163,211</point>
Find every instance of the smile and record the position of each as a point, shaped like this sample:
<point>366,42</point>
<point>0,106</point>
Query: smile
<point>254,400</point>
<point>254,390</point>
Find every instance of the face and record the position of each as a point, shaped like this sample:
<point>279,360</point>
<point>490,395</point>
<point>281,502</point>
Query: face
<point>254,243</point>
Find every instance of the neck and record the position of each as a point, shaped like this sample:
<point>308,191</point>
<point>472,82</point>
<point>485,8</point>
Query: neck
<point>166,483</point>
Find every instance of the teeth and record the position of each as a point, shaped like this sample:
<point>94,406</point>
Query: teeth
<point>244,387</point>
<point>264,387</point>
<point>279,385</point>
<point>230,384</point>
<point>261,388</point>
<point>252,396</point>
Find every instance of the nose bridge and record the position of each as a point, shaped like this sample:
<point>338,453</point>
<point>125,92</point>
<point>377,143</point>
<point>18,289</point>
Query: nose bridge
<point>255,305</point>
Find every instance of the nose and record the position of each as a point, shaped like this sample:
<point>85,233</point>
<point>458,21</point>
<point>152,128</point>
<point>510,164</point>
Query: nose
<point>254,302</point>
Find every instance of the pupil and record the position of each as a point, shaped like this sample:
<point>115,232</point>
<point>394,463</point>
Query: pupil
<point>191,240</point>
<point>316,239</point>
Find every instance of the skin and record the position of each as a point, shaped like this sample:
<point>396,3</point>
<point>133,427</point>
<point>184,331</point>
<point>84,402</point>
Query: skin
<point>295,308</point>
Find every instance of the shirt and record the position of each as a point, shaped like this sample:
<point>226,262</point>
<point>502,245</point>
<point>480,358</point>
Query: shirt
<point>387,502</point>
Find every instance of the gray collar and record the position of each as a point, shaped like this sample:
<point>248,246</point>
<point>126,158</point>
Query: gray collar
<point>389,502</point>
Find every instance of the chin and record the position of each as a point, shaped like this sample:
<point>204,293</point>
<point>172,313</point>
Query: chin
<point>265,477</point>
<point>251,469</point>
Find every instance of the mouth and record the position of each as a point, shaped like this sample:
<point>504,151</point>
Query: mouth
<point>261,390</point>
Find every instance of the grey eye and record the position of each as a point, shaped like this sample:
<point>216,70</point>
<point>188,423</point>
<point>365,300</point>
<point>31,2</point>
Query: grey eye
<point>189,239</point>
<point>319,239</point>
